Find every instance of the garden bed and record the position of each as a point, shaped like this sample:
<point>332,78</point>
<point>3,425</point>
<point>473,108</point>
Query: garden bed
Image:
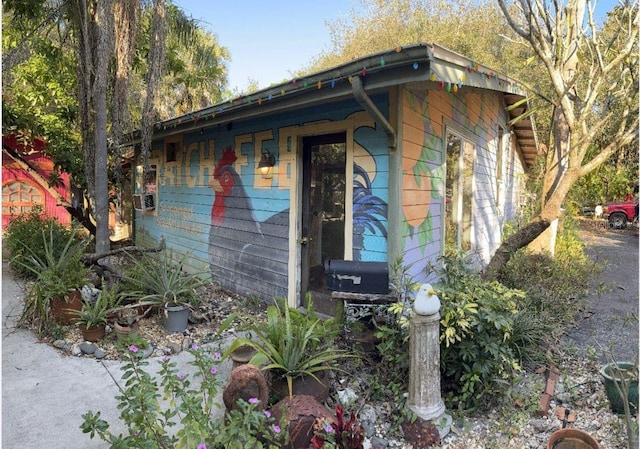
<point>217,304</point>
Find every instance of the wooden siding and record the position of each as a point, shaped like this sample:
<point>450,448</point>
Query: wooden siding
<point>245,244</point>
<point>426,115</point>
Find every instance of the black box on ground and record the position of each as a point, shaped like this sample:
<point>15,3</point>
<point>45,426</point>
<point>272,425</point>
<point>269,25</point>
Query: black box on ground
<point>357,277</point>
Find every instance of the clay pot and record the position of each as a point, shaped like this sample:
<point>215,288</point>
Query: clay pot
<point>303,385</point>
<point>122,332</point>
<point>62,308</point>
<point>92,333</point>
<point>571,439</point>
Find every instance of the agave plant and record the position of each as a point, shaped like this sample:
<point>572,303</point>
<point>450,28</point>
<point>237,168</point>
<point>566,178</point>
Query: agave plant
<point>58,271</point>
<point>292,344</point>
<point>159,280</point>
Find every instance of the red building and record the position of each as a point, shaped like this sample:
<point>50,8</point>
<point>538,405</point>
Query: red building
<point>25,175</point>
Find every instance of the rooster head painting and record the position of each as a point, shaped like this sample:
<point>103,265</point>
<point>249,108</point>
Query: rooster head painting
<point>234,228</point>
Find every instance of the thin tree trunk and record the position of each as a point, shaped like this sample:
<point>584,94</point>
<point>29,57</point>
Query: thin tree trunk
<point>101,199</point>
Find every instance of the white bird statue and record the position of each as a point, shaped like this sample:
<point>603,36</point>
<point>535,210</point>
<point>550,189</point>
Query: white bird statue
<point>427,302</point>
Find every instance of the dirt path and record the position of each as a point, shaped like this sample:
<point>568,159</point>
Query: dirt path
<point>610,320</point>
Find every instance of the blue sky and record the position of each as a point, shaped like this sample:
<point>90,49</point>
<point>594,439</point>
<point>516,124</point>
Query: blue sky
<point>267,39</point>
<point>270,39</point>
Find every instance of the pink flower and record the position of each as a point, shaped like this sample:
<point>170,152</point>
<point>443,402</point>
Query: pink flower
<point>202,446</point>
<point>253,400</point>
<point>133,348</point>
<point>166,358</point>
<point>328,428</point>
<point>195,346</point>
<point>214,370</point>
<point>181,376</point>
<point>216,355</point>
<point>267,413</point>
<point>276,429</point>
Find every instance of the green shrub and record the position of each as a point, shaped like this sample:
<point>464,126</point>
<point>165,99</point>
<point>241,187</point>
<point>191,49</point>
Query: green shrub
<point>554,286</point>
<point>477,322</point>
<point>21,240</point>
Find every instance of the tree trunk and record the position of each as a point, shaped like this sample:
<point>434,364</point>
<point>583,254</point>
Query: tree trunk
<point>518,240</point>
<point>101,199</point>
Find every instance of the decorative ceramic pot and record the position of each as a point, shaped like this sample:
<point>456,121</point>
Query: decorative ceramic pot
<point>571,439</point>
<point>92,333</point>
<point>62,308</point>
<point>612,373</point>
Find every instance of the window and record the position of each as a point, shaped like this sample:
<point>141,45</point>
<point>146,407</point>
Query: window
<point>459,192</point>
<point>19,197</point>
<point>150,182</point>
<point>171,152</point>
<point>146,189</point>
<point>172,145</point>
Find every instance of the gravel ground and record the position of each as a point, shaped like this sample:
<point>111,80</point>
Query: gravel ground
<point>608,328</point>
<point>610,321</point>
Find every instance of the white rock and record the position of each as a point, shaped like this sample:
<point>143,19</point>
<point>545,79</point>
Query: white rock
<point>347,396</point>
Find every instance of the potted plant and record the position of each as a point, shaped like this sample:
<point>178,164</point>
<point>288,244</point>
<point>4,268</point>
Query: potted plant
<point>59,278</point>
<point>295,348</point>
<point>164,283</point>
<point>620,380</point>
<point>127,321</point>
<point>93,317</point>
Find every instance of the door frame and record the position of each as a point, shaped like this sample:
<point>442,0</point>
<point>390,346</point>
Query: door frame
<point>294,298</point>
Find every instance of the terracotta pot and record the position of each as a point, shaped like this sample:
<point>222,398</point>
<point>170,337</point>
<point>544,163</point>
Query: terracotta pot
<point>61,308</point>
<point>122,332</point>
<point>571,439</point>
<point>303,385</point>
<point>92,333</point>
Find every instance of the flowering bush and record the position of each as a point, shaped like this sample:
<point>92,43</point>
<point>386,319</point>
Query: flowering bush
<point>150,407</point>
<point>341,434</point>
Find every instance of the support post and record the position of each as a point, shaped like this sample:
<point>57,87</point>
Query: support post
<point>424,370</point>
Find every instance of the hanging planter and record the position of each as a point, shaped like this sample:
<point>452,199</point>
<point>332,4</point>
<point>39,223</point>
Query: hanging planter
<point>614,375</point>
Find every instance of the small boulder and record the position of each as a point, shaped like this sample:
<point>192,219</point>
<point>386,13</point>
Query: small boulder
<point>88,348</point>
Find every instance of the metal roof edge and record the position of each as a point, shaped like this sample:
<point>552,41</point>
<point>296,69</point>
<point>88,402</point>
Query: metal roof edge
<point>416,62</point>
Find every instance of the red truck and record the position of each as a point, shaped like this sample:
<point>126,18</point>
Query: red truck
<point>620,212</point>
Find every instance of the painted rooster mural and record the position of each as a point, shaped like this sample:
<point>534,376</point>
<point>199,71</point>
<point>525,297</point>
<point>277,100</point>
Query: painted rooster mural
<point>244,253</point>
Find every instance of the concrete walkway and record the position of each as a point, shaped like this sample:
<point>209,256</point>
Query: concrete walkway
<point>44,393</point>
